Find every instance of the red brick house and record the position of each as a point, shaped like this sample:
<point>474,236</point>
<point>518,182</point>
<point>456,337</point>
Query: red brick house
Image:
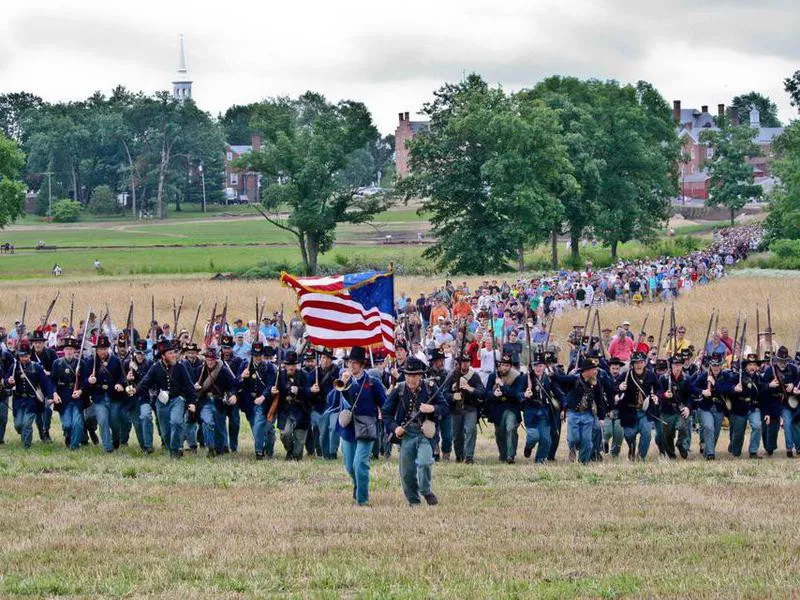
<point>240,185</point>
<point>694,178</point>
<point>406,129</point>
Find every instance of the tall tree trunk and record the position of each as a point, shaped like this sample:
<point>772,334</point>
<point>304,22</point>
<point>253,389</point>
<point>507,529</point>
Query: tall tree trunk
<point>574,246</point>
<point>614,250</point>
<point>303,252</point>
<point>133,179</point>
<point>162,174</point>
<point>554,248</point>
<point>733,216</point>
<point>75,193</point>
<point>521,257</point>
<point>312,247</point>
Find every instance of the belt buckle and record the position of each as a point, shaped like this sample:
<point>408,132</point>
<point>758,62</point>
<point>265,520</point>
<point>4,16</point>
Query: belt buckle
<point>105,386</point>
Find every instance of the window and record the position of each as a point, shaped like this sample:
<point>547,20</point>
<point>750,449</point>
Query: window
<point>229,156</point>
<point>692,153</point>
<point>709,153</point>
<point>234,178</point>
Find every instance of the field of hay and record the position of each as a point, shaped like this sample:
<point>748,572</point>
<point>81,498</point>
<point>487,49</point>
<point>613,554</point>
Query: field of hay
<point>730,295</point>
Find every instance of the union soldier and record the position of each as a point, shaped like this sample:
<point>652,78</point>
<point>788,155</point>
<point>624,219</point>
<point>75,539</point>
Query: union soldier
<point>6,362</point>
<point>436,379</point>
<point>67,397</point>
<point>411,412</point>
<point>504,396</point>
<point>638,389</point>
<point>316,399</point>
<point>321,384</point>
<point>102,380</point>
<point>137,408</point>
<point>291,406</point>
<point>32,391</point>
<point>711,403</point>
<point>676,390</point>
<point>228,437</point>
<point>357,399</point>
<point>582,403</point>
<point>745,393</point>
<point>779,379</point>
<point>536,411</point>
<point>45,357</point>
<point>194,365</point>
<point>613,432</point>
<point>256,381</point>
<point>465,408</point>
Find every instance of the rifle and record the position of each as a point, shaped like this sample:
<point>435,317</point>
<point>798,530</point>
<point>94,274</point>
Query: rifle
<point>769,327</point>
<point>741,345</point>
<point>661,331</point>
<point>223,320</point>
<point>549,331</point>
<point>758,335</point>
<point>600,332</point>
<point>281,325</point>
<point>580,342</point>
<point>674,327</point>
<point>736,338</point>
<point>153,319</point>
<point>708,333</point>
<point>24,312</point>
<point>178,317</point>
<point>129,328</point>
<point>50,309</point>
<point>196,316</point>
<point>644,325</point>
<point>71,312</point>
<point>80,350</point>
<point>209,337</point>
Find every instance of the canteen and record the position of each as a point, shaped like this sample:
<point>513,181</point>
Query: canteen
<point>428,429</point>
<point>163,396</point>
<point>345,417</point>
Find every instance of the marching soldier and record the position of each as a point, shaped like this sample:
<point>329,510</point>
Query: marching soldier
<point>102,380</point>
<point>582,403</point>
<point>411,413</point>
<point>321,383</point>
<point>194,365</point>
<point>138,408</point>
<point>291,406</point>
<point>505,394</point>
<point>256,381</point>
<point>45,357</point>
<point>552,368</point>
<point>638,389</point>
<point>215,388</point>
<point>465,409</point>
<point>613,432</point>
<point>174,391</point>
<point>436,379</point>
<point>711,403</point>
<point>32,391</point>
<point>67,397</point>
<point>6,393</point>
<point>745,393</point>
<point>316,399</point>
<point>779,379</point>
<point>356,399</point>
<point>676,390</point>
<point>228,437</point>
<point>536,411</point>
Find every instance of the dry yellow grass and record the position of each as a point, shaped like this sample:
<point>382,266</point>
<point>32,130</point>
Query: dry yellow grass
<point>728,295</point>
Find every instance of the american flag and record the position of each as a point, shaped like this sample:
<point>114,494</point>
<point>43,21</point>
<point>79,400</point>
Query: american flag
<point>342,311</point>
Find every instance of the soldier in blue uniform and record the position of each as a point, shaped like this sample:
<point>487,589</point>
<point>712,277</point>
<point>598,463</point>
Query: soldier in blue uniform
<point>138,409</point>
<point>214,387</point>
<point>174,391</point>
<point>360,396</point>
<point>504,396</point>
<point>779,379</point>
<point>465,408</point>
<point>328,435</point>
<point>613,433</point>
<point>102,380</point>
<point>583,401</point>
<point>711,403</point>
<point>291,406</point>
<point>45,357</point>
<point>227,411</point>
<point>411,414</point>
<point>638,390</point>
<point>6,362</point>
<point>194,365</point>
<point>436,380</point>
<point>255,383</point>
<point>32,391</point>
<point>745,395</point>
<point>68,397</point>
<point>675,391</point>
<point>536,411</point>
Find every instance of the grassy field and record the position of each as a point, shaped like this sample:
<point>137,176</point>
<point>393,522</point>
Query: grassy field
<point>90,525</point>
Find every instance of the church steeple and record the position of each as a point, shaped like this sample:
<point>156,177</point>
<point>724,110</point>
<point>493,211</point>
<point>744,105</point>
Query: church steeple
<point>182,85</point>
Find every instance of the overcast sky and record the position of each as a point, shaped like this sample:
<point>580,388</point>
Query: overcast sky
<point>392,55</point>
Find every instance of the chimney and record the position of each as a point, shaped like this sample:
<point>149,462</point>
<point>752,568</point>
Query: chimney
<point>720,110</point>
<point>676,111</point>
<point>734,114</point>
<point>401,116</point>
<point>255,140</point>
<point>704,109</point>
<point>405,116</point>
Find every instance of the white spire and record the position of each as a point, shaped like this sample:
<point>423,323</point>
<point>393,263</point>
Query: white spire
<point>182,58</point>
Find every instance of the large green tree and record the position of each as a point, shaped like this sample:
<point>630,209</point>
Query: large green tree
<point>783,220</point>
<point>768,110</point>
<point>308,144</point>
<point>489,170</point>
<point>13,107</point>
<point>731,181</point>
<point>12,191</point>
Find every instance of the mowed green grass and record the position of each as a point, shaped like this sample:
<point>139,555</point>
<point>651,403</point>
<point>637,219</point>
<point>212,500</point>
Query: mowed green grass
<point>148,260</point>
<point>85,524</point>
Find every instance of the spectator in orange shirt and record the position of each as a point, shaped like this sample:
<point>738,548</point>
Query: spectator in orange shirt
<point>439,310</point>
<point>461,309</point>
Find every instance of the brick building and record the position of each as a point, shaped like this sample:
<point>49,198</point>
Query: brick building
<point>694,177</point>
<point>240,185</point>
<point>406,129</point>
